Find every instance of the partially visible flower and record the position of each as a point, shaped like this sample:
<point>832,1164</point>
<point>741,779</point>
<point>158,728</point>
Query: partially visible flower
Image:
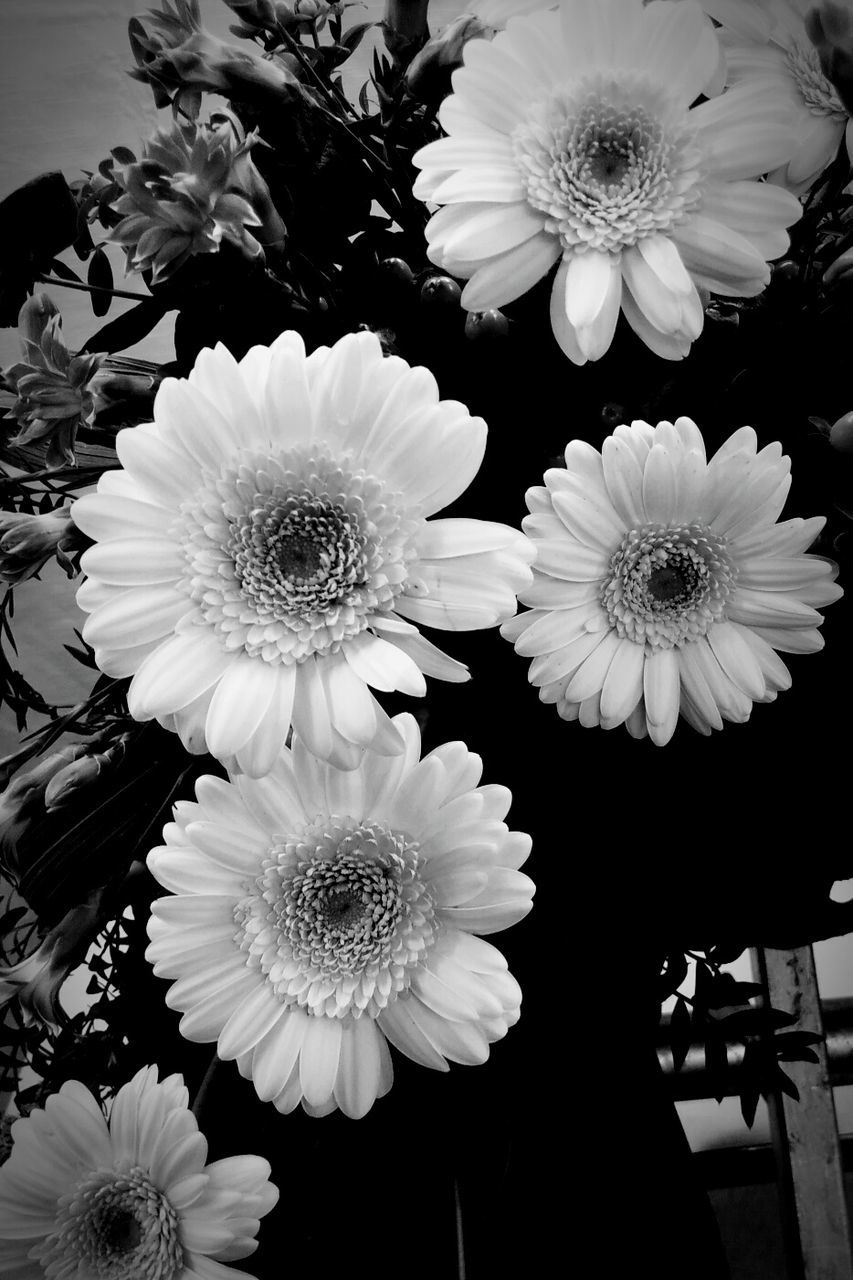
<point>37,979</point>
<point>829,26</point>
<point>663,583</point>
<point>573,141</point>
<point>22,800</point>
<point>195,187</point>
<point>27,542</point>
<point>174,52</point>
<point>266,555</point>
<point>78,774</point>
<point>319,913</point>
<point>428,74</point>
<point>53,388</point>
<point>767,44</point>
<point>127,1198</point>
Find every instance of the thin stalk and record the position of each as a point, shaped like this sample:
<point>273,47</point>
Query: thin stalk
<point>93,288</point>
<point>203,1089</point>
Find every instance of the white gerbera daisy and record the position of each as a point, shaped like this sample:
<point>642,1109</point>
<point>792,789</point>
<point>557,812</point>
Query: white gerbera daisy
<point>320,912</point>
<point>572,138</point>
<point>265,554</point>
<point>766,44</point>
<point>663,583</point>
<point>82,1198</point>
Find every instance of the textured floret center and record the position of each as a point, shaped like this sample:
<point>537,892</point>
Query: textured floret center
<point>117,1225</point>
<point>609,161</point>
<point>818,92</point>
<point>667,586</point>
<point>291,555</point>
<point>338,917</point>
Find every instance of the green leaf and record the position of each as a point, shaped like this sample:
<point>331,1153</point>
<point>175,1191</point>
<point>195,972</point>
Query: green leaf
<point>680,1033</point>
<point>58,268</point>
<point>129,328</point>
<point>100,276</point>
<point>786,1085</point>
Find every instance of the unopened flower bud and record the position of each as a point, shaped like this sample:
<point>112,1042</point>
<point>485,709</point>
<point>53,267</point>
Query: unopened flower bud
<point>428,74</point>
<point>23,800</point>
<point>82,772</point>
<point>27,542</point>
<point>174,52</point>
<point>841,434</point>
<point>37,980</point>
<point>255,13</point>
<point>839,271</point>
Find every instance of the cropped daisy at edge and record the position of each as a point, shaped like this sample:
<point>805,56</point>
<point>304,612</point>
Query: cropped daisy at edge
<point>127,1198</point>
<point>663,584</point>
<point>264,557</point>
<point>767,41</point>
<point>572,143</point>
<point>319,914</point>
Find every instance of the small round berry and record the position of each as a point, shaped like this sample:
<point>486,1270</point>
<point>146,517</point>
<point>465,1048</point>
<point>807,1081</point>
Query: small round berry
<point>486,324</point>
<point>398,270</point>
<point>440,291</point>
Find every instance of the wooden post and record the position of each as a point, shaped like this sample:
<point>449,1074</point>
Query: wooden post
<point>805,1133</point>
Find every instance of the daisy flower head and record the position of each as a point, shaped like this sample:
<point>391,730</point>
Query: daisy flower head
<point>127,1198</point>
<point>264,555</point>
<point>572,141</point>
<point>663,583</point>
<point>767,44</point>
<point>320,913</point>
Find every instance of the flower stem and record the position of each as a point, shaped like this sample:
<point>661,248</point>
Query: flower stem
<point>93,288</point>
<point>203,1089</point>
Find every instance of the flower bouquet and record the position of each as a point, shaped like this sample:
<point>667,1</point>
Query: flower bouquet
<point>482,525</point>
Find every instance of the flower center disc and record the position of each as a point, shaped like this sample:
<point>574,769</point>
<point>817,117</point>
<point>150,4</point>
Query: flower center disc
<point>290,554</point>
<point>668,586</point>
<point>115,1225</point>
<point>338,917</point>
<point>610,161</point>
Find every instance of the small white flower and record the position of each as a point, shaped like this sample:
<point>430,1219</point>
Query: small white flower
<point>663,583</point>
<point>265,555</point>
<point>572,140</point>
<point>319,913</point>
<point>132,1198</point>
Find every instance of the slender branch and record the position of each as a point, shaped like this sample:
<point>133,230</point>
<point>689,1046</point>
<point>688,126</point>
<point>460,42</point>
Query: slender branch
<point>93,288</point>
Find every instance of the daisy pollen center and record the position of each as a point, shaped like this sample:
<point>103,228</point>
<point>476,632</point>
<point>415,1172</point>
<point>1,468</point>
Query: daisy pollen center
<point>338,917</point>
<point>610,161</point>
<point>115,1225</point>
<point>667,585</point>
<point>290,554</point>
